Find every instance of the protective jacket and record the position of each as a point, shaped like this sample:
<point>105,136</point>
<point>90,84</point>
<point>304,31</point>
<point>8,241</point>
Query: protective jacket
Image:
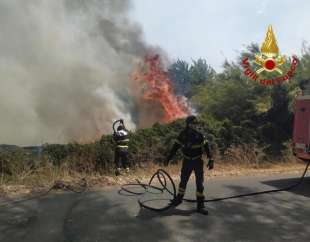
<point>192,144</point>
<point>121,138</point>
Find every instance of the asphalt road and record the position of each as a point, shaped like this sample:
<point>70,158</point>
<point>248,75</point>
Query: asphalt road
<point>105,215</point>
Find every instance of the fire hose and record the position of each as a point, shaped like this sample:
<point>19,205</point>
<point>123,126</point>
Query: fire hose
<point>120,121</point>
<point>163,177</point>
<point>80,187</point>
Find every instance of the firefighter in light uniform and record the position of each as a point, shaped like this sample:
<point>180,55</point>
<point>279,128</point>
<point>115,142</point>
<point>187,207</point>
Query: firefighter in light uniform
<point>121,138</point>
<point>192,144</point>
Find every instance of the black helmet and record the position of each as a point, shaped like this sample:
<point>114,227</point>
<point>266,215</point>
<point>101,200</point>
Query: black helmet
<point>190,119</point>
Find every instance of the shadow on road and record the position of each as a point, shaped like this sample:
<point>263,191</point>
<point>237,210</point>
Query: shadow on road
<point>107,216</point>
<point>147,214</point>
<point>269,217</point>
<point>303,189</point>
<point>37,219</point>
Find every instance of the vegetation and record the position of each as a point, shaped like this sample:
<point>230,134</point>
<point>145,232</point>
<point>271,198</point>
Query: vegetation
<point>242,119</point>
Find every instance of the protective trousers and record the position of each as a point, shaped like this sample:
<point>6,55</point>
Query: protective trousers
<point>187,167</point>
<point>121,158</point>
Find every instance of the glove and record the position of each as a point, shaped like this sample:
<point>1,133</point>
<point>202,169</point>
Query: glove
<point>210,164</point>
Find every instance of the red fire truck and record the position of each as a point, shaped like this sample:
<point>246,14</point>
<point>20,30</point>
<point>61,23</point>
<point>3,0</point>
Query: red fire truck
<point>301,134</point>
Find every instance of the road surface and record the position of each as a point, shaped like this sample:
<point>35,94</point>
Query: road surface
<point>104,215</point>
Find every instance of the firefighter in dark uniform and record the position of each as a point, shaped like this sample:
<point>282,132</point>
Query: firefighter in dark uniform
<point>121,138</point>
<point>192,144</point>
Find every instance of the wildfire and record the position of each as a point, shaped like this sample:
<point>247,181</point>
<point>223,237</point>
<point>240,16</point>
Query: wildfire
<point>157,87</point>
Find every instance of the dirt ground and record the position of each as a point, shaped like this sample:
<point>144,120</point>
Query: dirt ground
<point>98,181</point>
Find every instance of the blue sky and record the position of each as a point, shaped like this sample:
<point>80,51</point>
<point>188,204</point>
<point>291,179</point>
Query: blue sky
<point>219,30</point>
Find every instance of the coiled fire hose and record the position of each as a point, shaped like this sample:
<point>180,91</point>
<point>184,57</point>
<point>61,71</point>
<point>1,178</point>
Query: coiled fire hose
<point>163,178</point>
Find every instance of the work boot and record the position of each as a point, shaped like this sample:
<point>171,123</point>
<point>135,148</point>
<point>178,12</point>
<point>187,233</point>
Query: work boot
<point>201,208</point>
<point>176,201</point>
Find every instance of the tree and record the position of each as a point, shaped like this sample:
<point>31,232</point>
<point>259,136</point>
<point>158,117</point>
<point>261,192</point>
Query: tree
<point>201,72</point>
<point>187,79</point>
<point>180,75</point>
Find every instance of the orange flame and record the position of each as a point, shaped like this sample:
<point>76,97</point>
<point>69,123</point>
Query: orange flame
<point>158,88</point>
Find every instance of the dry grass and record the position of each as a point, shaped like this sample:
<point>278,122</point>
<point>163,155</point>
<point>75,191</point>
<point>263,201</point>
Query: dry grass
<point>41,178</point>
<point>238,161</point>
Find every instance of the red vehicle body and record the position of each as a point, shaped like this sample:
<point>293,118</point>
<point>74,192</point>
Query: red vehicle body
<point>301,134</point>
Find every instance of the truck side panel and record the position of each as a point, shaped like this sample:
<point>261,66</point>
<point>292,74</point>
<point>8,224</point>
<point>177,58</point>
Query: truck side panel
<point>301,135</point>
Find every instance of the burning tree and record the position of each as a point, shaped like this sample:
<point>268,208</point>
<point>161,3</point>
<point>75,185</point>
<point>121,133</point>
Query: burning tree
<point>155,88</point>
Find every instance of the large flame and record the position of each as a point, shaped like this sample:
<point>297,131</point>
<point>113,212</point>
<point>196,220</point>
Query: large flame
<point>270,43</point>
<point>157,88</point>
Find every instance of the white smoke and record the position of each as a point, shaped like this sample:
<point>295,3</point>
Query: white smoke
<point>65,67</point>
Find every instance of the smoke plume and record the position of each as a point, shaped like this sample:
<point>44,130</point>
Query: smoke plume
<point>65,67</point>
